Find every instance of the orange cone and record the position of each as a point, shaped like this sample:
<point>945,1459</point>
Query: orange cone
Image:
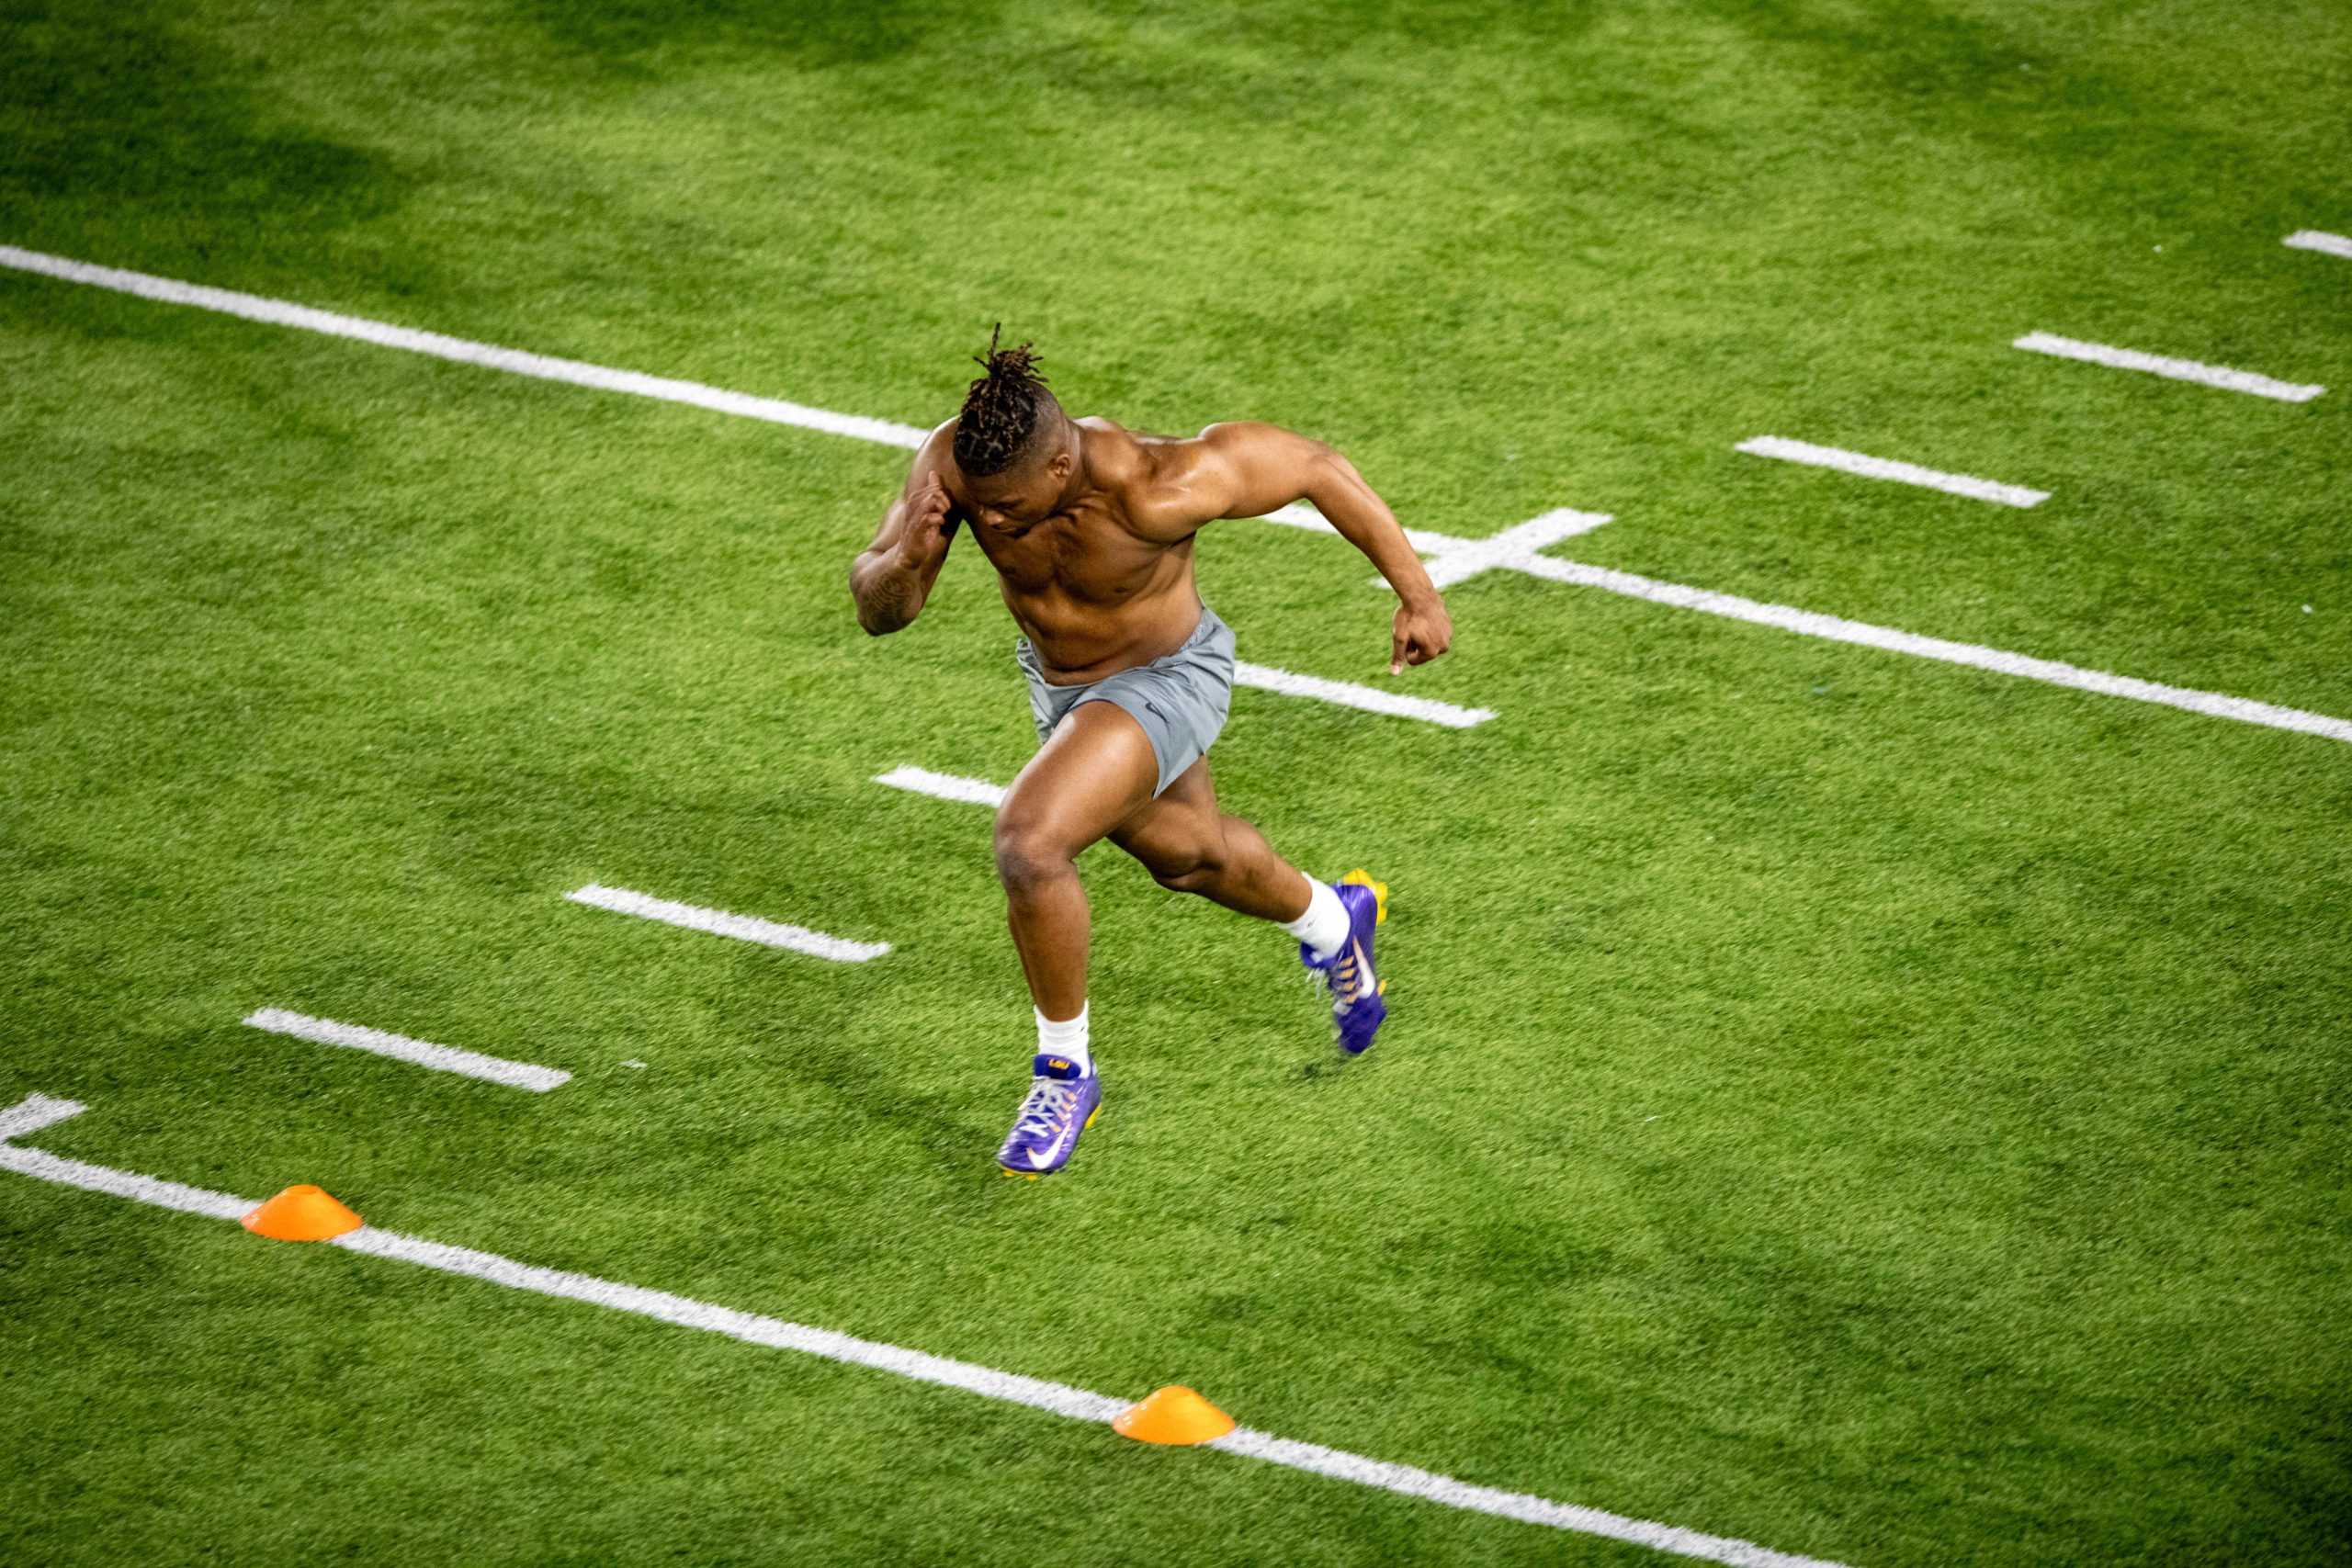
<point>1173,1415</point>
<point>301,1214</point>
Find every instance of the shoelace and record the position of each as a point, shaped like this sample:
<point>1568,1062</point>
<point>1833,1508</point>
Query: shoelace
<point>1343,977</point>
<point>1045,1107</point>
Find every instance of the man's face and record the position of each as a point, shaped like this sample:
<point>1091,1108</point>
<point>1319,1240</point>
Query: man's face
<point>1021,496</point>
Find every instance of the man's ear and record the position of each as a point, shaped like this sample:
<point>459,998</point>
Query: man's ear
<point>1061,465</point>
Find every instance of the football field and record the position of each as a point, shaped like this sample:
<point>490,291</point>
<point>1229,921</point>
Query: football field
<point>1869,1079</point>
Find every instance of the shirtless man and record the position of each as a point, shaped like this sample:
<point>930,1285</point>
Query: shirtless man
<point>1089,527</point>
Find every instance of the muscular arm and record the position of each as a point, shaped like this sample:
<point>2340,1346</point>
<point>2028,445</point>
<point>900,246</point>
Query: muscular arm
<point>890,581</point>
<point>1248,469</point>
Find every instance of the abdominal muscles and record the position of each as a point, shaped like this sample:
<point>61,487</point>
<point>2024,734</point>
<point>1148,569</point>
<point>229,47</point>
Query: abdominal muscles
<point>1092,613</point>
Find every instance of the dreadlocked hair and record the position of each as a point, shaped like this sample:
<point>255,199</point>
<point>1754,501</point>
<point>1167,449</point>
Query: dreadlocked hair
<point>1005,411</point>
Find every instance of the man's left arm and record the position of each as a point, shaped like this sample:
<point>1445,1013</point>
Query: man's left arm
<point>1248,469</point>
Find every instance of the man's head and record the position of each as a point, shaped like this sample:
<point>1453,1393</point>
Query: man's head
<point>1014,446</point>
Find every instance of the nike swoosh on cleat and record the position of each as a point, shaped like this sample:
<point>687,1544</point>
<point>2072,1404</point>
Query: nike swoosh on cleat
<point>1041,1157</point>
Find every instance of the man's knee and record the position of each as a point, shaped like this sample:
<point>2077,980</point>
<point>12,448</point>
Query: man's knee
<point>1027,857</point>
<point>1190,864</point>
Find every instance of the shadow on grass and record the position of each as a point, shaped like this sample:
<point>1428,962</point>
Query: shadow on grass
<point>117,109</point>
<point>2076,100</point>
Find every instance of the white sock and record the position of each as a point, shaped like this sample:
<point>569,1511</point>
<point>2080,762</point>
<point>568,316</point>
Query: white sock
<point>1065,1038</point>
<point>1325,925</point>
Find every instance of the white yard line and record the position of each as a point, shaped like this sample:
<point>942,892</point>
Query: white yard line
<point>36,1111</point>
<point>1341,1465</point>
<point>2177,369</point>
<point>1807,623</point>
<point>1371,699</point>
<point>1452,559</point>
<point>2326,244</point>
<point>278,312</point>
<point>33,1112</point>
<point>1012,1388</point>
<point>720,922</point>
<point>443,1058</point>
<point>946,786</point>
<point>1437,546</point>
<point>1298,514</point>
<point>1511,548</point>
<point>1889,468</point>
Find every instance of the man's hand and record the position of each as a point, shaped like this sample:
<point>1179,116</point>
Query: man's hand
<point>923,543</point>
<point>1423,631</point>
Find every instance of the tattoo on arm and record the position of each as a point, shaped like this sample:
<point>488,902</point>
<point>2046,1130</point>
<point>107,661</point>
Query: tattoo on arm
<point>888,597</point>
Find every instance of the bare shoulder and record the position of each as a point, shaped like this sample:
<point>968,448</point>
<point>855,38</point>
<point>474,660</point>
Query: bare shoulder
<point>1232,447</point>
<point>937,456</point>
<point>1128,464</point>
<point>1149,478</point>
<point>1114,453</point>
<point>1166,484</point>
<point>1242,467</point>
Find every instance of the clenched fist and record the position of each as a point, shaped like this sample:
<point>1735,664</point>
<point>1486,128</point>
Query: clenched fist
<point>1423,631</point>
<point>925,530</point>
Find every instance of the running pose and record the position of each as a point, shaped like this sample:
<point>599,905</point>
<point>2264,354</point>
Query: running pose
<point>1089,528</point>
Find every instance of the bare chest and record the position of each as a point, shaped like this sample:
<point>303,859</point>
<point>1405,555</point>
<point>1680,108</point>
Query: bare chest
<point>1085,556</point>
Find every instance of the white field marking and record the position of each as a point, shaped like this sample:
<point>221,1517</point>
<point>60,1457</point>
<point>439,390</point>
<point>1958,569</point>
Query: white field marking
<point>444,1058</point>
<point>1342,1466</point>
<point>720,922</point>
<point>285,313</point>
<point>1807,623</point>
<point>38,1111</point>
<point>1888,468</point>
<point>1452,559</point>
<point>946,786</point>
<point>2326,244</point>
<point>1299,514</point>
<point>1012,1388</point>
<point>1428,710</point>
<point>33,1112</point>
<point>279,312</point>
<point>1511,548</point>
<point>2177,369</point>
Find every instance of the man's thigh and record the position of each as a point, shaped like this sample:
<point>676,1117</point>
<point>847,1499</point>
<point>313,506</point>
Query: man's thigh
<point>1094,773</point>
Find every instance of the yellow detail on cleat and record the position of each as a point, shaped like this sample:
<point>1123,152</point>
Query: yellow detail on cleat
<point>1091,1116</point>
<point>1382,989</point>
<point>1362,878</point>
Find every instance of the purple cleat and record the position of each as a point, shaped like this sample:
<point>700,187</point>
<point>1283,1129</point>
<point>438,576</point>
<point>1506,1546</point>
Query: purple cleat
<point>1062,1103</point>
<point>1357,1005</point>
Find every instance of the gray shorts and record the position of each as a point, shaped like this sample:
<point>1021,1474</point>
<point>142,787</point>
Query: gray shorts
<point>1181,700</point>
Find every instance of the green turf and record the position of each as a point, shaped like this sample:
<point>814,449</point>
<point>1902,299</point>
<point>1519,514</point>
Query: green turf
<point>1883,1110</point>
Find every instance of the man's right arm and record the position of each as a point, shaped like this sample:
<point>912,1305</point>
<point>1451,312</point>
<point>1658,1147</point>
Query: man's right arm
<point>890,581</point>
